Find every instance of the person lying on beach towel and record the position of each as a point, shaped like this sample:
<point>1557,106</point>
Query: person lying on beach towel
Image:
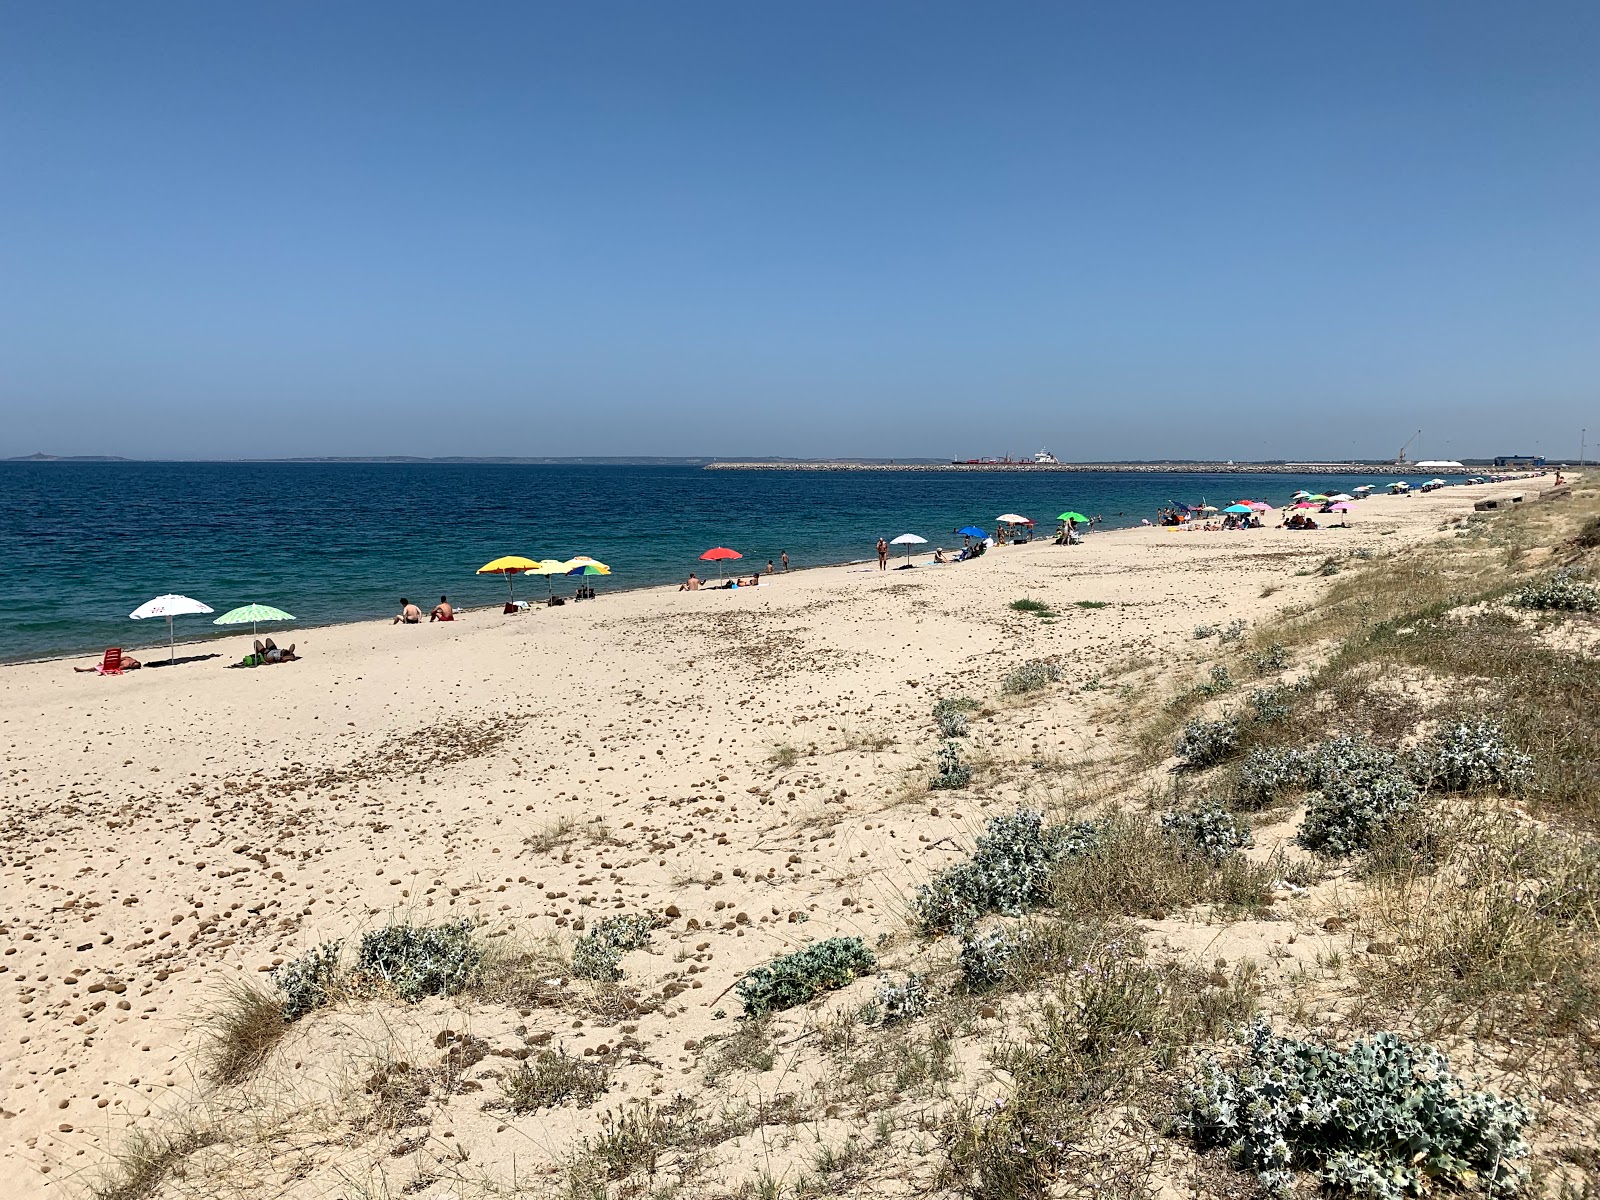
<point>271,654</point>
<point>442,611</point>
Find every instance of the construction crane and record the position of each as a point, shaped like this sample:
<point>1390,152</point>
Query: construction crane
<point>1400,459</point>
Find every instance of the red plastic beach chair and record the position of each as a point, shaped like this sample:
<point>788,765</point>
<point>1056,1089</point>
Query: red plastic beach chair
<point>112,663</point>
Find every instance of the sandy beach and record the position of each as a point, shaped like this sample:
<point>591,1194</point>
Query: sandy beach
<point>736,761</point>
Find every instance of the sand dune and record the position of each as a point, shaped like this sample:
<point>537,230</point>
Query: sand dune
<point>173,829</point>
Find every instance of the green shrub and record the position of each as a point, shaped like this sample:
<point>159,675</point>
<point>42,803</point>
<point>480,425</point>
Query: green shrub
<point>1008,872</point>
<point>549,1078</point>
<point>1565,591</point>
<point>949,771</point>
<point>1220,681</point>
<point>418,961</point>
<point>1266,774</point>
<point>1361,789</point>
<point>1274,658</point>
<point>599,951</point>
<point>950,715</point>
<point>903,1001</point>
<point>801,976</point>
<point>1270,705</point>
<point>1031,676</point>
<point>307,982</point>
<point>1203,743</point>
<point>985,957</point>
<point>1029,605</point>
<point>1385,1118</point>
<point>1469,756</point>
<point>1205,631</point>
<point>1233,631</point>
<point>1210,829</point>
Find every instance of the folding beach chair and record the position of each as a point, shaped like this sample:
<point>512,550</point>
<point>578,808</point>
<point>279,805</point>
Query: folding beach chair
<point>111,664</point>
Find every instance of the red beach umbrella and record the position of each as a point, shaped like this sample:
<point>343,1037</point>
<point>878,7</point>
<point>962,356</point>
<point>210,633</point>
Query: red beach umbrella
<point>717,553</point>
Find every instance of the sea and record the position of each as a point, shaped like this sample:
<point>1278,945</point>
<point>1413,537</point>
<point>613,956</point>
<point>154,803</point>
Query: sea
<point>82,544</point>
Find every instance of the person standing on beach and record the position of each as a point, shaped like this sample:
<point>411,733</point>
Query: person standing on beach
<point>883,555</point>
<point>784,559</point>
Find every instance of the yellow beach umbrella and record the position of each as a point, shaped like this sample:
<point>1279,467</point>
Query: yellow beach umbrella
<point>508,566</point>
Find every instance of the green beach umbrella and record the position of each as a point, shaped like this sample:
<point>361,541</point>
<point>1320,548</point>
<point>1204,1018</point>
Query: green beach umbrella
<point>1073,516</point>
<point>253,613</point>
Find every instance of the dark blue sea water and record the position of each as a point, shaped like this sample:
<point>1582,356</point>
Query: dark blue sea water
<point>83,544</point>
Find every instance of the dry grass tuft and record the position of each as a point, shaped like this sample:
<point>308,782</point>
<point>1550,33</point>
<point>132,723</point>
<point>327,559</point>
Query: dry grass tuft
<point>241,1031</point>
<point>1136,868</point>
<point>146,1159</point>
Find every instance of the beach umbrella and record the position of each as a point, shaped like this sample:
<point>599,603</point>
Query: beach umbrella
<point>972,531</point>
<point>253,613</point>
<point>547,568</point>
<point>1072,516</point>
<point>1341,507</point>
<point>1206,508</point>
<point>585,566</point>
<point>169,606</point>
<point>1258,506</point>
<point>1319,497</point>
<point>511,564</point>
<point>1340,496</point>
<point>1013,519</point>
<point>908,540</point>
<point>719,555</point>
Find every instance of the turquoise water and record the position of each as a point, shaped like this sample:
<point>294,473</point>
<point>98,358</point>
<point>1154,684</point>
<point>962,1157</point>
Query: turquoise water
<point>83,544</point>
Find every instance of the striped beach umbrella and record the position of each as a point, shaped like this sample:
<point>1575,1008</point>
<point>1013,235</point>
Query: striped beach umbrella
<point>253,613</point>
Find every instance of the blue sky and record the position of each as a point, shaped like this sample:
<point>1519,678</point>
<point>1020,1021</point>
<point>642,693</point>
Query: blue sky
<point>1146,230</point>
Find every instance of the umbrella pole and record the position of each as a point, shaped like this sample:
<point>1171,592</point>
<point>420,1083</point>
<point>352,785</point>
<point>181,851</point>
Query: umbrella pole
<point>172,643</point>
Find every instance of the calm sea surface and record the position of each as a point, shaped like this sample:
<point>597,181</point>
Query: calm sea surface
<point>83,544</point>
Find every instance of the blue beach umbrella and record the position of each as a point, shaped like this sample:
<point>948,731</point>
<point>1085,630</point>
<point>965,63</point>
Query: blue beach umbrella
<point>1238,508</point>
<point>972,531</point>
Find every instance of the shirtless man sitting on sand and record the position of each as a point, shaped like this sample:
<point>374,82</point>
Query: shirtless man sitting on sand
<point>690,585</point>
<point>442,611</point>
<point>410,614</point>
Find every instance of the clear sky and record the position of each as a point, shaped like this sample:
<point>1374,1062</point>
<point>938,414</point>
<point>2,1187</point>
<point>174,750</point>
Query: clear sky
<point>1275,229</point>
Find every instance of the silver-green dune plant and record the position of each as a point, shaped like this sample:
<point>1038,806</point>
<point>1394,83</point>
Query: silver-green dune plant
<point>1031,676</point>
<point>949,771</point>
<point>799,977</point>
<point>1565,591</point>
<point>1203,743</point>
<point>1008,872</point>
<point>1386,1118</point>
<point>420,960</point>
<point>307,982</point>
<point>599,952</point>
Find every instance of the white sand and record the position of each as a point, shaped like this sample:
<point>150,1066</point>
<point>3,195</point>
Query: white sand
<point>174,828</point>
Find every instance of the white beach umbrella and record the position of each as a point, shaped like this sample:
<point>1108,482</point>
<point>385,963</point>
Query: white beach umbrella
<point>169,606</point>
<point>909,540</point>
<point>1013,519</point>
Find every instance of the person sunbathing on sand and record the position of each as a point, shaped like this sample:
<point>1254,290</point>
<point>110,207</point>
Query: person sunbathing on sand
<point>442,611</point>
<point>271,654</point>
<point>128,662</point>
<point>409,614</point>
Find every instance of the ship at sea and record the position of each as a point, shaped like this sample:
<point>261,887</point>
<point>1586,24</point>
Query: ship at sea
<point>1042,459</point>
